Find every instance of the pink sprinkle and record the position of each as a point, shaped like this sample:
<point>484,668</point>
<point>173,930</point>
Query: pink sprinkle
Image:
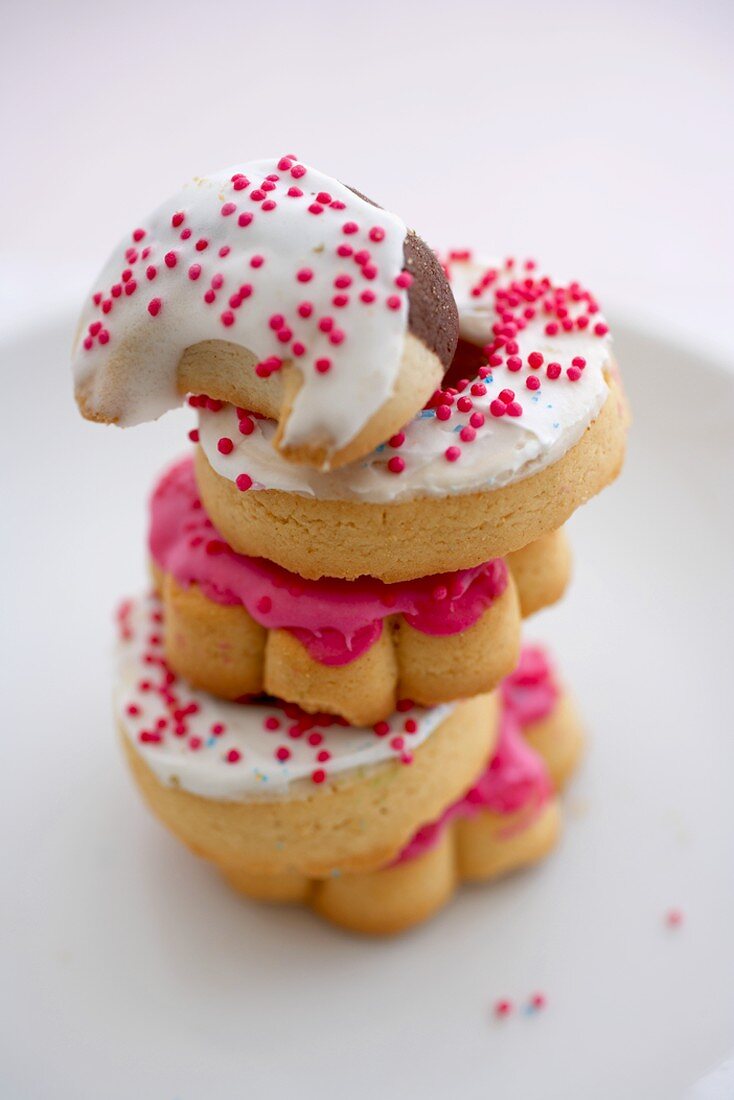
<point>381,729</point>
<point>350,227</point>
<point>578,361</point>
<point>538,1001</point>
<point>264,605</point>
<point>282,753</point>
<point>396,465</point>
<point>294,192</point>
<point>600,329</point>
<point>194,272</point>
<point>305,309</point>
<point>171,259</point>
<point>674,918</point>
<point>225,446</point>
<point>367,296</point>
<point>272,723</point>
<point>503,1008</point>
<point>532,382</point>
<point>443,412</point>
<point>305,275</point>
<point>514,409</point>
<point>177,219</point>
<point>498,408</point>
<point>243,482</point>
<point>194,435</point>
<point>227,318</point>
<point>573,374</point>
<point>453,453</point>
<point>553,370</point>
<point>138,234</point>
<point>245,219</point>
<point>298,171</point>
<point>227,209</point>
<point>233,756</point>
<point>404,280</point>
<point>318,776</point>
<point>393,302</point>
<point>154,306</point>
<point>257,261</point>
<point>377,234</point>
<point>323,365</point>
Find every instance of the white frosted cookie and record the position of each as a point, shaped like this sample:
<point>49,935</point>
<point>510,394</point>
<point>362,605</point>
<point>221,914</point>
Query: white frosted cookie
<point>273,286</point>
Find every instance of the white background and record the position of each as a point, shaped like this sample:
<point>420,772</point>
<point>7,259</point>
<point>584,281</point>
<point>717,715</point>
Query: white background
<point>597,136</point>
<point>594,135</point>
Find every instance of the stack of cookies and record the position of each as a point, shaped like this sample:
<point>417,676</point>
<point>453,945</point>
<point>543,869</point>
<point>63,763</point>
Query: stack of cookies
<point>326,694</point>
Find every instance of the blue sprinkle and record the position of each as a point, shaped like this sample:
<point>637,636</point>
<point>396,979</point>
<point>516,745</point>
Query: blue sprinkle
<point>556,425</point>
<point>426,414</point>
<point>211,741</point>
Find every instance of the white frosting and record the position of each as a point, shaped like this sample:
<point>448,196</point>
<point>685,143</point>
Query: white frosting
<point>127,367</point>
<point>504,450</point>
<point>205,770</point>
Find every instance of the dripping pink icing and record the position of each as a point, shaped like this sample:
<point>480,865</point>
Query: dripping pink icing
<point>335,620</point>
<point>516,778</point>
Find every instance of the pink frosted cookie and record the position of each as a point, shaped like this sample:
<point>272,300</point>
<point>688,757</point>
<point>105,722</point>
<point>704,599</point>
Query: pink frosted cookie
<point>275,287</point>
<point>236,625</point>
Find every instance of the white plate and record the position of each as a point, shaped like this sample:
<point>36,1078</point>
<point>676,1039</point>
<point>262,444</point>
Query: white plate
<point>129,970</point>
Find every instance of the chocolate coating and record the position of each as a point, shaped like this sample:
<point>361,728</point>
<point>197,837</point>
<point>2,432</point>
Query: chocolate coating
<point>432,314</point>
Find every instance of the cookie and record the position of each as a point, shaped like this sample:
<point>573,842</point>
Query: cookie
<point>489,465</point>
<point>236,626</point>
<point>510,818</point>
<point>264,786</point>
<point>272,286</point>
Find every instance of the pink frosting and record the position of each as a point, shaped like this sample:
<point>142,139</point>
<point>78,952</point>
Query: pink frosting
<point>335,620</point>
<point>516,779</point>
